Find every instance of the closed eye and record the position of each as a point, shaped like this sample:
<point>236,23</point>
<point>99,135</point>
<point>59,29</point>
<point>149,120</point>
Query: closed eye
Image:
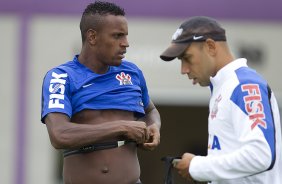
<point>186,58</point>
<point>118,35</point>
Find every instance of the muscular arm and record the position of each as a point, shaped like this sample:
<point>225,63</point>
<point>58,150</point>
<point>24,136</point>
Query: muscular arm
<point>153,121</point>
<point>65,134</point>
<point>152,115</point>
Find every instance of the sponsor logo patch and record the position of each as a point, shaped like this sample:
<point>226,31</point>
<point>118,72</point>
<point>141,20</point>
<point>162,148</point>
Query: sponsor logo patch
<point>253,105</point>
<point>57,90</point>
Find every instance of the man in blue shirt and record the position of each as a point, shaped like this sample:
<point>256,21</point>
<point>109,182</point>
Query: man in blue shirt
<point>97,107</point>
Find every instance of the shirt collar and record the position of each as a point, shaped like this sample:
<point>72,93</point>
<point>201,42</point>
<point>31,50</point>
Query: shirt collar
<point>227,70</point>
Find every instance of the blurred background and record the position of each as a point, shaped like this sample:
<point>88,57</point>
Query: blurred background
<point>38,35</point>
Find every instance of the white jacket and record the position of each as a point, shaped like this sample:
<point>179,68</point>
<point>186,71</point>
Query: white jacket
<point>244,145</point>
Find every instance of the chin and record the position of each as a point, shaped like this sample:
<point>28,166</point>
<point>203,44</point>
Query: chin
<point>204,84</point>
<point>116,63</point>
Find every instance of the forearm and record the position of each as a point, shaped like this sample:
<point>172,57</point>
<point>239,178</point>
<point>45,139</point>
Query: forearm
<point>152,116</point>
<point>244,162</point>
<point>72,135</point>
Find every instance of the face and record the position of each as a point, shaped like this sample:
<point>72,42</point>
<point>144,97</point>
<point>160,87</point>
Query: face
<point>197,64</point>
<point>111,40</point>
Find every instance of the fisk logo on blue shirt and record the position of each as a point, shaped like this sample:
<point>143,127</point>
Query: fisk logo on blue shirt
<point>57,90</point>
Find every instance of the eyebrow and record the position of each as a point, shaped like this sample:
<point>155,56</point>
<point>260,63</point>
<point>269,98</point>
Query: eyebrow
<point>184,55</point>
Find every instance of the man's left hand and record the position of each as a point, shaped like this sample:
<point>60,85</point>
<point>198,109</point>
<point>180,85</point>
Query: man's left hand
<point>154,137</point>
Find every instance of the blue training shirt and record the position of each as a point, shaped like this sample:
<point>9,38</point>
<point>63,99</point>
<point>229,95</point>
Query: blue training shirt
<point>72,87</point>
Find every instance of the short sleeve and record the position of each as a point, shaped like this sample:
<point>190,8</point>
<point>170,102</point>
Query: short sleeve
<point>56,93</point>
<point>144,89</point>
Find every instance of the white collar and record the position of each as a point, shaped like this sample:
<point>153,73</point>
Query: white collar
<point>227,70</point>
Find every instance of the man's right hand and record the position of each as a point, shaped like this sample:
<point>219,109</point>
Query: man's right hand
<point>137,131</point>
<point>183,165</point>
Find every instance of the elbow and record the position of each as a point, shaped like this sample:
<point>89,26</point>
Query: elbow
<point>269,159</point>
<point>265,161</point>
<point>55,144</point>
<point>269,162</point>
<point>264,165</point>
<point>59,140</point>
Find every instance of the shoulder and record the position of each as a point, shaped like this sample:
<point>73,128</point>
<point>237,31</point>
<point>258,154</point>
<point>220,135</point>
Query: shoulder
<point>70,68</point>
<point>247,75</point>
<point>249,83</point>
<point>126,63</point>
<point>57,74</point>
<point>62,68</point>
<point>130,66</point>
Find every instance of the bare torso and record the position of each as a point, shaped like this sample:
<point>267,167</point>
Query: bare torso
<point>118,165</point>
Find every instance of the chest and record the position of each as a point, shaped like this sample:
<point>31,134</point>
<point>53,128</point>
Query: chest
<point>220,115</point>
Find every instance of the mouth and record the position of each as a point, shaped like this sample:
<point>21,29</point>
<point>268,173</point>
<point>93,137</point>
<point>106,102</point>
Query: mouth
<point>194,80</point>
<point>121,54</point>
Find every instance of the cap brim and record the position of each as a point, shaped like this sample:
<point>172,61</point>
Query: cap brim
<point>173,51</point>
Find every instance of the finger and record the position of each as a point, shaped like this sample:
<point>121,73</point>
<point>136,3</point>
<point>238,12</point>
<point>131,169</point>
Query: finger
<point>149,146</point>
<point>180,173</point>
<point>144,136</point>
<point>147,135</point>
<point>156,139</point>
<point>175,161</point>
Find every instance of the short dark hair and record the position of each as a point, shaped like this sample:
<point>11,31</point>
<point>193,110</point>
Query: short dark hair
<point>98,8</point>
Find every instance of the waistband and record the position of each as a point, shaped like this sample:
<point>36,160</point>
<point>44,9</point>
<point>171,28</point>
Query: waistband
<point>96,147</point>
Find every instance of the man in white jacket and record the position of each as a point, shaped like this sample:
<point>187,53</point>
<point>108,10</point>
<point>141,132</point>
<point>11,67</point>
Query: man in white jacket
<point>244,144</point>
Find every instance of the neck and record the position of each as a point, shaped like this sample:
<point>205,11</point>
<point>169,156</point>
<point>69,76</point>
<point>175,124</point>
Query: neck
<point>91,62</point>
<point>225,57</point>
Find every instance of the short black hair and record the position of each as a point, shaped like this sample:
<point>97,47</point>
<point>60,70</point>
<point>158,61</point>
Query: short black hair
<point>98,8</point>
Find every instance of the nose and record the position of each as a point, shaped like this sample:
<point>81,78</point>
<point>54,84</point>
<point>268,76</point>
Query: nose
<point>125,42</point>
<point>184,68</point>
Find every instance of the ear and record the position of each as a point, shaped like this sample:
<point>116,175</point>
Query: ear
<point>91,36</point>
<point>211,46</point>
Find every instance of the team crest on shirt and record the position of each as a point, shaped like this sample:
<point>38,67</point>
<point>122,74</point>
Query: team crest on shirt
<point>124,79</point>
<point>215,107</point>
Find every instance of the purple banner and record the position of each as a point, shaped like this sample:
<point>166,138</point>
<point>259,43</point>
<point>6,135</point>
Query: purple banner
<point>248,9</point>
<point>226,9</point>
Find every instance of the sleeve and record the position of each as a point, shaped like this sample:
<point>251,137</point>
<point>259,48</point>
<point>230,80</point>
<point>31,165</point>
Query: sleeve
<point>56,93</point>
<point>251,117</point>
<point>144,89</point>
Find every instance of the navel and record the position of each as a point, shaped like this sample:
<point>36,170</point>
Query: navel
<point>105,169</point>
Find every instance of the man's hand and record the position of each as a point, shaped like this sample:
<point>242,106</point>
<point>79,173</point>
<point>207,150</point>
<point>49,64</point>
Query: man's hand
<point>154,137</point>
<point>137,131</point>
<point>183,166</point>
